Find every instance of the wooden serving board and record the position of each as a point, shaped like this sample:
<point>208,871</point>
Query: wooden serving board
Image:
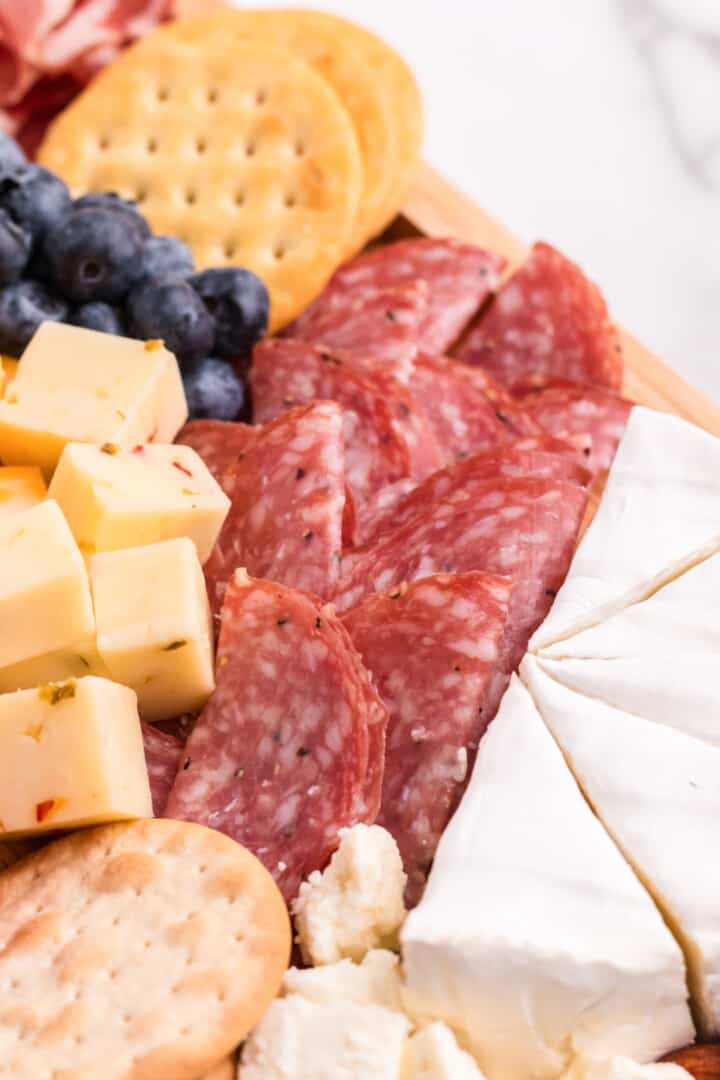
<point>435,207</point>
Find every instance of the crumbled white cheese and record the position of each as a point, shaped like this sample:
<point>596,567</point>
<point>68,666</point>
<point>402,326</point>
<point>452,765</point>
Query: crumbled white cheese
<point>433,1054</point>
<point>356,903</point>
<point>299,1039</point>
<point>623,1068</point>
<point>374,982</point>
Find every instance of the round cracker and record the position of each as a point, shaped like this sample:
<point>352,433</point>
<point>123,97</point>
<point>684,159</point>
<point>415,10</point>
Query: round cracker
<point>245,153</point>
<point>402,101</point>
<point>139,949</point>
<point>328,48</point>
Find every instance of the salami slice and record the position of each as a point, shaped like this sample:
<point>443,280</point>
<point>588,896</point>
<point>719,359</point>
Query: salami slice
<point>499,464</point>
<point>547,319</point>
<point>290,748</point>
<point>466,408</point>
<point>459,277</point>
<point>221,444</point>
<point>285,520</point>
<point>432,648</point>
<point>162,757</point>
<point>568,409</point>
<point>523,528</point>
<point>383,323</point>
<point>381,512</point>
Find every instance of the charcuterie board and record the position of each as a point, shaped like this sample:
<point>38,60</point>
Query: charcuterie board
<point>435,207</point>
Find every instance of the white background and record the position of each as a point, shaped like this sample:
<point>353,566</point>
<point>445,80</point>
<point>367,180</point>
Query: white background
<point>594,124</point>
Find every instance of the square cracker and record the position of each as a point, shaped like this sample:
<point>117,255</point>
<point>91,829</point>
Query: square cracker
<point>242,151</point>
<point>144,950</point>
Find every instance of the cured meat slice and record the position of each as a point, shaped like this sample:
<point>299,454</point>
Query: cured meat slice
<point>498,464</point>
<point>459,277</point>
<point>287,372</point>
<point>349,521</point>
<point>567,409</point>
<point>466,408</point>
<point>285,519</point>
<point>381,511</point>
<point>383,323</point>
<point>432,648</point>
<point>221,444</point>
<point>290,748</point>
<point>547,319</point>
<point>162,757</point>
<point>523,528</point>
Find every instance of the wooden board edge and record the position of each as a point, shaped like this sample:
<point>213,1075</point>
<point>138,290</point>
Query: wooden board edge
<point>436,207</point>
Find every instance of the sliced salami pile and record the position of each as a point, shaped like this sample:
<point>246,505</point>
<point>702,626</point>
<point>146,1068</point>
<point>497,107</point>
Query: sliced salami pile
<point>433,503</point>
<point>432,647</point>
<point>162,757</point>
<point>290,748</point>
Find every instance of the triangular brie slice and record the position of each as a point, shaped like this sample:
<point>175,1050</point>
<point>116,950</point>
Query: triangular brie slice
<point>659,514</point>
<point>657,792</point>
<point>534,939</point>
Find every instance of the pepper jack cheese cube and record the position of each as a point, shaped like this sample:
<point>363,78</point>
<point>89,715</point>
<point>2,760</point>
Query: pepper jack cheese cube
<point>77,385</point>
<point>71,662</point>
<point>20,488</point>
<point>45,601</point>
<point>154,628</point>
<point>70,754</point>
<point>116,498</point>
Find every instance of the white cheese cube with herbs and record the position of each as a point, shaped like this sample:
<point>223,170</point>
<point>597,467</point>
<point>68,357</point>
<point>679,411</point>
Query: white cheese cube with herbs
<point>115,498</point>
<point>154,628</point>
<point>71,754</point>
<point>77,385</point>
<point>20,488</point>
<point>45,601</point>
<point>70,662</point>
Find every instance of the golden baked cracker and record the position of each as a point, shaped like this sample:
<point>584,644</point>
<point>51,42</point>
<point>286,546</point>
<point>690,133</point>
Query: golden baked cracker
<point>135,950</point>
<point>328,48</point>
<point>224,1071</point>
<point>403,102</point>
<point>244,152</point>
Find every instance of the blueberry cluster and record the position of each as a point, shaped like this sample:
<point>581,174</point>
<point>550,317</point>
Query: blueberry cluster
<point>93,262</point>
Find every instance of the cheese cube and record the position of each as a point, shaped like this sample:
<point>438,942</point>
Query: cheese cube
<point>70,754</point>
<point>154,629</point>
<point>20,488</point>
<point>8,372</point>
<point>72,662</point>
<point>77,385</point>
<point>45,601</point>
<point>115,498</point>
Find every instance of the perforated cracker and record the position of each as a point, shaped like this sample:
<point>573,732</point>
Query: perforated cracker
<point>244,152</point>
<point>331,51</point>
<point>136,951</point>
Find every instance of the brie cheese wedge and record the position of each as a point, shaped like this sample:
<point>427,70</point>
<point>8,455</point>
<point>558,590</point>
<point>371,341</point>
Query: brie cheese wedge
<point>534,939</point>
<point>659,515</point>
<point>657,791</point>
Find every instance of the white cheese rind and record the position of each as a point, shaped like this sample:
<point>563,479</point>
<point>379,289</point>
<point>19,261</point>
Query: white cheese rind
<point>534,939</point>
<point>656,790</point>
<point>154,627</point>
<point>45,602</point>
<point>659,514</point>
<point>623,1068</point>
<point>356,903</point>
<point>71,754</point>
<point>433,1054</point>
<point>301,1040</point>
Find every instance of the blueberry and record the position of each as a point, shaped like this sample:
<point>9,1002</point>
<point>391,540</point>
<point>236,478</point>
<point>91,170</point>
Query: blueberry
<point>110,200</point>
<point>23,306</point>
<point>165,256</point>
<point>93,254</point>
<point>96,315</point>
<point>238,302</point>
<point>11,156</point>
<point>213,389</point>
<point>34,198</point>
<point>15,245</point>
<point>171,310</point>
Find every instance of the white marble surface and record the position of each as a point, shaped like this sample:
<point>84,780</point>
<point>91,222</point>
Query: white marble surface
<point>594,124</point>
